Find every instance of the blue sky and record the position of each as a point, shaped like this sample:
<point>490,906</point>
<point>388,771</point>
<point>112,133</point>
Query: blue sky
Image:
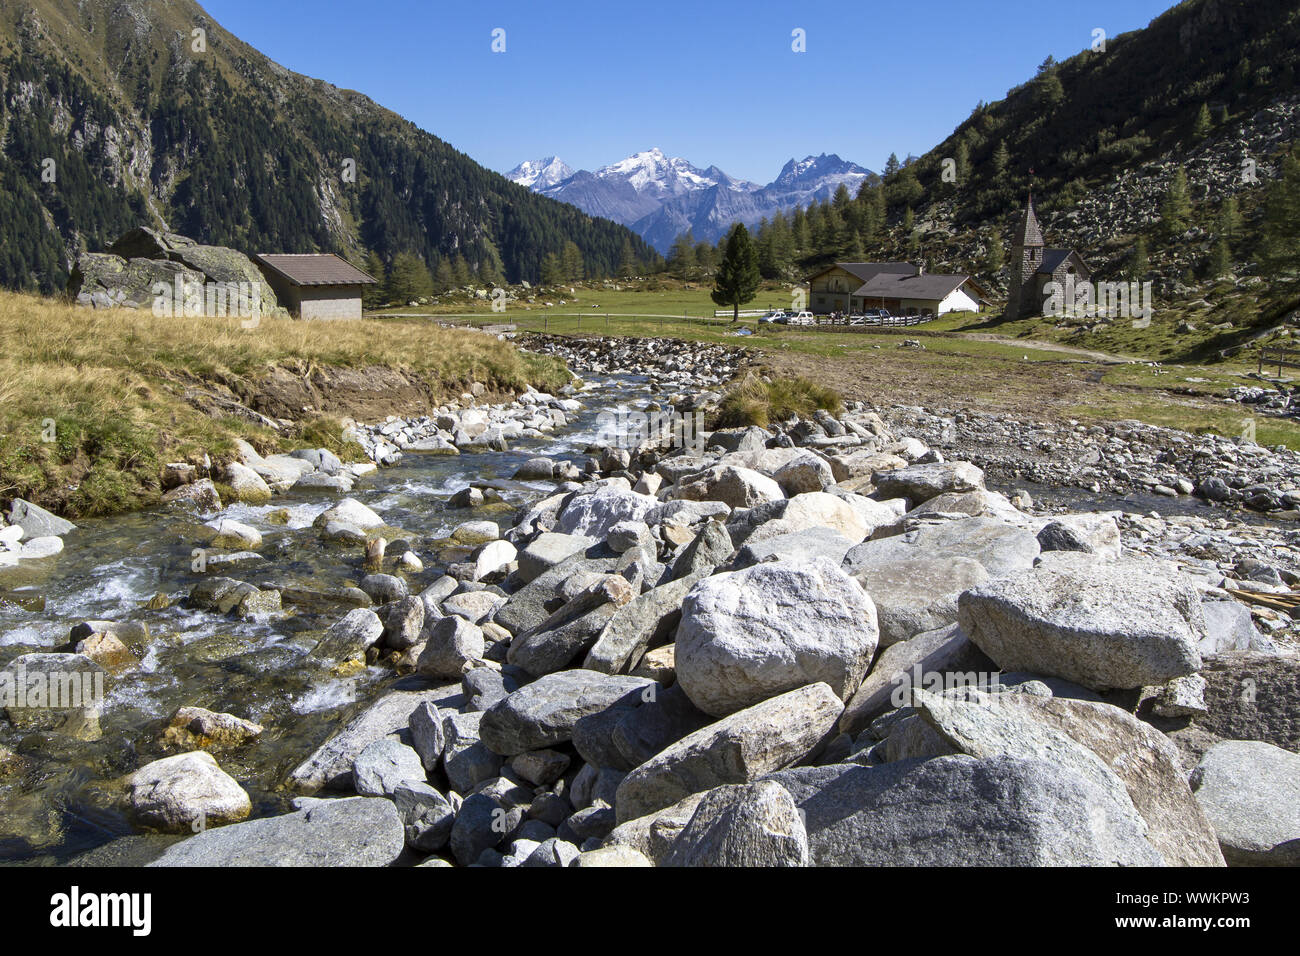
<point>715,83</point>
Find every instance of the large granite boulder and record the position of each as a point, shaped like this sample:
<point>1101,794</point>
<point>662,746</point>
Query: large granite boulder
<point>749,635</point>
<point>1144,760</point>
<point>736,487</point>
<point>1250,790</point>
<point>543,713</point>
<point>918,594</point>
<point>754,824</point>
<point>125,274</point>
<point>330,766</point>
<point>1106,627</point>
<point>594,514</point>
<point>920,483</point>
<point>178,793</point>
<point>104,281</point>
<point>355,831</point>
<point>1000,547</point>
<point>738,749</point>
<point>963,811</point>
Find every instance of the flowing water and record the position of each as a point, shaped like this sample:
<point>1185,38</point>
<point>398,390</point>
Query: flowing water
<point>67,798</point>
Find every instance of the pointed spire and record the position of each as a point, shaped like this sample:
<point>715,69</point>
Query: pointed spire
<point>1030,234</point>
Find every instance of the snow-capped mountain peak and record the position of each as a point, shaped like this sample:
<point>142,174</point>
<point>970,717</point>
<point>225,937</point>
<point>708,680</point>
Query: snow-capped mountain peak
<point>539,174</point>
<point>653,172</point>
<point>814,171</point>
<point>662,196</point>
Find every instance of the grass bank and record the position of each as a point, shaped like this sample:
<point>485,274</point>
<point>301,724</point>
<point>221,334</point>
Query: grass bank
<point>93,403</point>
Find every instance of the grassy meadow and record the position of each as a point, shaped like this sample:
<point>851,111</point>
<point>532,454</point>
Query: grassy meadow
<point>1166,373</point>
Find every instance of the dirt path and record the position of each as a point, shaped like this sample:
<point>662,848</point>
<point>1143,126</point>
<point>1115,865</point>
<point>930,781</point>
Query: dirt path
<point>1106,358</point>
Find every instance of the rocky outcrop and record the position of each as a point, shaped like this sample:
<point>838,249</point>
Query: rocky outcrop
<point>124,276</point>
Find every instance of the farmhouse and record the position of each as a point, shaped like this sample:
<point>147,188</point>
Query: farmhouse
<point>902,288</point>
<point>315,286</point>
<point>1033,266</point>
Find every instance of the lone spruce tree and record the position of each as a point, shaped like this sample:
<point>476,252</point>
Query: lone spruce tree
<point>737,278</point>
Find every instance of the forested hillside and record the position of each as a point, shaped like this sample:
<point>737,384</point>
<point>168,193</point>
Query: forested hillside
<point>115,113</point>
<point>1161,154</point>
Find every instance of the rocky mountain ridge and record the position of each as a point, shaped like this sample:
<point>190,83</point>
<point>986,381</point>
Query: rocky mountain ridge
<point>661,197</point>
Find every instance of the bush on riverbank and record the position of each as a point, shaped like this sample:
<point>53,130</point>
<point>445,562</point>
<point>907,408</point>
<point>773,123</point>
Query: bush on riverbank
<point>93,403</point>
<point>754,401</point>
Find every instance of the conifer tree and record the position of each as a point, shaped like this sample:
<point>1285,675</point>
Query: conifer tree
<point>444,276</point>
<point>994,256</point>
<point>490,270</point>
<point>681,258</point>
<point>737,278</point>
<point>1176,210</point>
<point>1280,249</point>
<point>627,262</point>
<point>552,269</point>
<point>461,270</point>
<point>377,294</point>
<point>1229,224</point>
<point>1220,260</point>
<point>1001,157</point>
<point>706,256</point>
<point>1138,262</point>
<point>1201,128</point>
<point>571,258</point>
<point>408,278</point>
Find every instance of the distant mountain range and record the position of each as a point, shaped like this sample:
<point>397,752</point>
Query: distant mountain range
<point>660,197</point>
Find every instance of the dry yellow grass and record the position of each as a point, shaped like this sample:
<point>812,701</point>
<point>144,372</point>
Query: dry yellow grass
<point>90,405</point>
<point>753,401</point>
<point>48,332</point>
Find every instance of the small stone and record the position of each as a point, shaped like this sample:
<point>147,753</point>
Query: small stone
<point>193,728</point>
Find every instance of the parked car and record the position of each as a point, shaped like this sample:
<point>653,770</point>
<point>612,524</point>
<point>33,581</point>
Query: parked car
<point>769,318</point>
<point>801,318</point>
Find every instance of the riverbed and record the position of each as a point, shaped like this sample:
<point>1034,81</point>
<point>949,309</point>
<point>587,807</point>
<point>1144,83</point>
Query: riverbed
<point>67,799</point>
<point>65,804</point>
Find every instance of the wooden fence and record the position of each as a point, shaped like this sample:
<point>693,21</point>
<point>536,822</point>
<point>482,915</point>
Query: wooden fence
<point>1276,355</point>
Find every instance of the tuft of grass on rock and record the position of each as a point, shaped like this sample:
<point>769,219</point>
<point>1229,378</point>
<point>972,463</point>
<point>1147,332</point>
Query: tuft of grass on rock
<point>755,400</point>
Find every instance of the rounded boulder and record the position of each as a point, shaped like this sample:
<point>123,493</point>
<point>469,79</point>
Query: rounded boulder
<point>746,636</point>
